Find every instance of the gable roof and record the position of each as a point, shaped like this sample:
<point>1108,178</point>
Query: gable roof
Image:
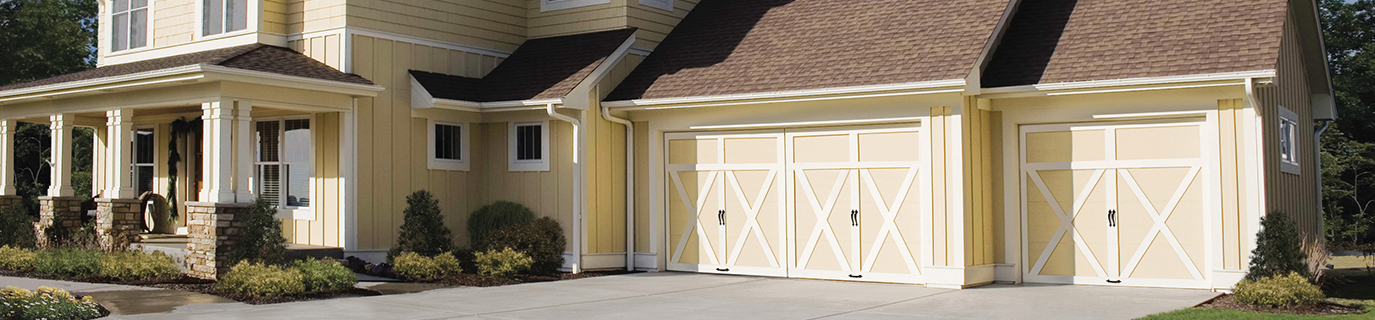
<point>1053,41</point>
<point>733,47</point>
<point>254,57</point>
<point>546,68</point>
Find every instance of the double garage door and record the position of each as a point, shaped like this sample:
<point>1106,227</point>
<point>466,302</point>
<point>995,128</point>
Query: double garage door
<point>838,203</point>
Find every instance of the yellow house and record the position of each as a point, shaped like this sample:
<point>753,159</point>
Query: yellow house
<point>944,143</point>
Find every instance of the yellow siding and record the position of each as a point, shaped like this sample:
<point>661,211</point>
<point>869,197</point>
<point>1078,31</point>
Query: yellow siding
<point>326,49</point>
<point>609,16</point>
<point>655,23</point>
<point>493,24</point>
<point>606,184</point>
<point>998,224</point>
<point>274,15</point>
<point>324,229</point>
<point>314,15</point>
<point>547,193</point>
<point>173,22</point>
<point>1296,195</point>
<point>940,226</point>
<point>978,213</point>
<point>1232,162</point>
<point>642,190</point>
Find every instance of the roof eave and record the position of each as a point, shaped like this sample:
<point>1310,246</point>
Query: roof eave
<point>871,91</point>
<point>1129,84</point>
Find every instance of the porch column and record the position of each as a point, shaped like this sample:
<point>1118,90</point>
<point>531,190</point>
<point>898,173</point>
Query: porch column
<point>243,152</point>
<point>7,129</point>
<point>120,184</point>
<point>218,170</point>
<point>61,183</point>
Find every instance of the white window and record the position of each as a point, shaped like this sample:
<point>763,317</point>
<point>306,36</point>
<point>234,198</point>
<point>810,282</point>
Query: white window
<point>529,146</point>
<point>448,146</point>
<point>551,5</point>
<point>661,4</point>
<point>1288,141</point>
<point>143,164</point>
<point>130,24</point>
<point>284,165</point>
<point>223,16</point>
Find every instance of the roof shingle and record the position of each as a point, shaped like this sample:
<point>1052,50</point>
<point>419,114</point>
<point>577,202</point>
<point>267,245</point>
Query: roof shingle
<point>546,68</point>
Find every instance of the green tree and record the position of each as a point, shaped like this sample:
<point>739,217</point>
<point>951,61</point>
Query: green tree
<point>1348,147</point>
<point>260,238</point>
<point>423,232</point>
<point>44,38</point>
<point>1278,251</point>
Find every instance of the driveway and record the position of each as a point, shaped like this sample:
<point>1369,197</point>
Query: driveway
<point>696,296</point>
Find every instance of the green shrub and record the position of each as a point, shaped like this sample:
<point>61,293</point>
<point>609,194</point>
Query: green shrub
<point>505,263</point>
<point>496,216</point>
<point>423,232</point>
<point>413,266</point>
<point>1278,291</point>
<point>262,280</point>
<point>70,262</point>
<point>137,265</point>
<point>1278,251</point>
<point>260,239</point>
<point>46,303</point>
<point>325,275</point>
<point>16,227</point>
<point>541,240</point>
<point>16,259</point>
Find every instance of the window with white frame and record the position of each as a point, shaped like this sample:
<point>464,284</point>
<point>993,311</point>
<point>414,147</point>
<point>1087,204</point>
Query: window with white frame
<point>551,5</point>
<point>143,163</point>
<point>529,146</point>
<point>283,162</point>
<point>661,4</point>
<point>130,27</point>
<point>448,146</point>
<point>223,16</point>
<point>1288,141</point>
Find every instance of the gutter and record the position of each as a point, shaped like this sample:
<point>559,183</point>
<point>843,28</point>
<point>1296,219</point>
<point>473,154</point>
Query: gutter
<point>578,187</point>
<point>629,186</point>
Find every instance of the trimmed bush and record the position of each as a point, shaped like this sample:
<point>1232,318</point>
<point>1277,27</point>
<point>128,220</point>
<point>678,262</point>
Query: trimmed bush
<point>541,240</point>
<point>137,265</point>
<point>1278,291</point>
<point>260,239</point>
<point>413,266</point>
<point>423,232</point>
<point>16,227</point>
<point>16,259</point>
<point>495,216</point>
<point>505,263</point>
<point>69,262</point>
<point>325,275</point>
<point>262,280</point>
<point>1278,251</point>
<point>46,303</point>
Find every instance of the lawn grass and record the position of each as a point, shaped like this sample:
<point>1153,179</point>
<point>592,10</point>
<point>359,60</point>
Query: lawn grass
<point>1359,292</point>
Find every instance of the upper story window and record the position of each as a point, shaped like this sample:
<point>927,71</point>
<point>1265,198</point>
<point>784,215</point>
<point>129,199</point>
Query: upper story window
<point>223,16</point>
<point>551,5</point>
<point>529,146</point>
<point>130,24</point>
<point>448,146</point>
<point>1288,141</point>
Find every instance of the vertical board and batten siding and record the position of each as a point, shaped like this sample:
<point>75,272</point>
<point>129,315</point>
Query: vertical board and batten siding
<point>605,184</point>
<point>978,181</point>
<point>493,24</point>
<point>939,128</point>
<point>643,227</point>
<point>998,226</point>
<point>601,17</point>
<point>1298,194</point>
<point>173,22</point>
<point>655,23</point>
<point>314,15</point>
<point>1232,161</point>
<point>547,193</point>
<point>327,49</point>
<point>323,230</point>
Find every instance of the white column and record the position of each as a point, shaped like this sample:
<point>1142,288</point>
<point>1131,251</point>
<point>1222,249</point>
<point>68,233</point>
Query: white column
<point>243,152</point>
<point>99,161</point>
<point>7,130</point>
<point>119,180</point>
<point>218,144</point>
<point>61,183</point>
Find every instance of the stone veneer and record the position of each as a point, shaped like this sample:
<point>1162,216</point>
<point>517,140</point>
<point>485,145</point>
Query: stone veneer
<point>51,210</point>
<point>211,229</point>
<point>119,222</point>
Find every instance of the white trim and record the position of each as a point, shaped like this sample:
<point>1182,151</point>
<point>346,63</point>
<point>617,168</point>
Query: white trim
<point>640,52</point>
<point>528,165</point>
<point>1290,163</point>
<point>805,124</point>
<point>552,5</point>
<point>890,89</point>
<point>283,211</point>
<point>148,31</point>
<point>348,185</point>
<point>427,42</point>
<point>1154,115</point>
<point>194,73</point>
<point>253,23</point>
<point>463,162</point>
<point>660,4</point>
<point>294,81</point>
<point>1136,81</point>
<point>231,40</point>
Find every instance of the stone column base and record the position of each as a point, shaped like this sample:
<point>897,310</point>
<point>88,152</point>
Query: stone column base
<point>64,211</point>
<point>117,222</point>
<point>211,228</point>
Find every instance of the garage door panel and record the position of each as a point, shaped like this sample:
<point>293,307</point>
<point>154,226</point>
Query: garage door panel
<point>1160,262</point>
<point>693,151</point>
<point>1065,146</point>
<point>823,219</point>
<point>753,218</point>
<point>752,150</point>
<point>692,217</point>
<point>1187,223</point>
<point>879,147</point>
<point>821,148</point>
<point>1159,142</point>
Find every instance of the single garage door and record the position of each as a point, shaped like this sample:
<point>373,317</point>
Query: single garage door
<point>834,203</point>
<point>1115,204</point>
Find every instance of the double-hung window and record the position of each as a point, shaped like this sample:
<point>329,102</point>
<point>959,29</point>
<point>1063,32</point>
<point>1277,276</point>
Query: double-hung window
<point>551,5</point>
<point>1288,141</point>
<point>130,27</point>
<point>448,146</point>
<point>283,165</point>
<point>143,164</point>
<point>529,146</point>
<point>223,16</point>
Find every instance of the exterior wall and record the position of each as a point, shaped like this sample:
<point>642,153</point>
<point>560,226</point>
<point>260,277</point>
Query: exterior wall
<point>607,16</point>
<point>606,185</point>
<point>173,22</point>
<point>327,49</point>
<point>547,193</point>
<point>323,229</point>
<point>1232,161</point>
<point>1295,194</point>
<point>274,16</point>
<point>655,23</point>
<point>313,15</point>
<point>493,24</point>
<point>978,198</point>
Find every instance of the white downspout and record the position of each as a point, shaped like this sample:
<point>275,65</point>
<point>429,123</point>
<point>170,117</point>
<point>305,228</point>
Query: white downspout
<point>577,184</point>
<point>629,186</point>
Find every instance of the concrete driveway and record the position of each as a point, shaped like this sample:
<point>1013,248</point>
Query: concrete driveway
<point>696,296</point>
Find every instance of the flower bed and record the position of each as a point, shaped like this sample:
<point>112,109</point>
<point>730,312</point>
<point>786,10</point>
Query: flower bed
<point>47,303</point>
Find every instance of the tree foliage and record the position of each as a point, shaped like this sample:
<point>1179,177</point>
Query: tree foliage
<point>260,239</point>
<point>1278,251</point>
<point>423,232</point>
<point>44,38</point>
<point>1348,147</point>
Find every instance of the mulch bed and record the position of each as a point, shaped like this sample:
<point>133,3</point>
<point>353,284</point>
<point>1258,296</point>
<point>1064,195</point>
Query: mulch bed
<point>1227,302</point>
<point>208,287</point>
<point>474,280</point>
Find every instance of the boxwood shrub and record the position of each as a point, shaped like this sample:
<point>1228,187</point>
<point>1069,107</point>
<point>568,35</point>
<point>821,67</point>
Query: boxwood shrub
<point>495,216</point>
<point>505,263</point>
<point>16,259</point>
<point>416,267</point>
<point>541,240</point>
<point>68,262</point>
<point>1278,291</point>
<point>137,265</point>
<point>262,280</point>
<point>325,275</point>
<point>423,231</point>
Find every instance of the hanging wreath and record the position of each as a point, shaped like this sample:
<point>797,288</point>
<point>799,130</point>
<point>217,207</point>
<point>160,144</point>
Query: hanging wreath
<point>180,127</point>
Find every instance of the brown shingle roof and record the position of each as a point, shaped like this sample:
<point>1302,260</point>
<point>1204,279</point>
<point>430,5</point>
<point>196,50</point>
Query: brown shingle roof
<point>1051,41</point>
<point>256,57</point>
<point>546,68</point>
<point>736,46</point>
